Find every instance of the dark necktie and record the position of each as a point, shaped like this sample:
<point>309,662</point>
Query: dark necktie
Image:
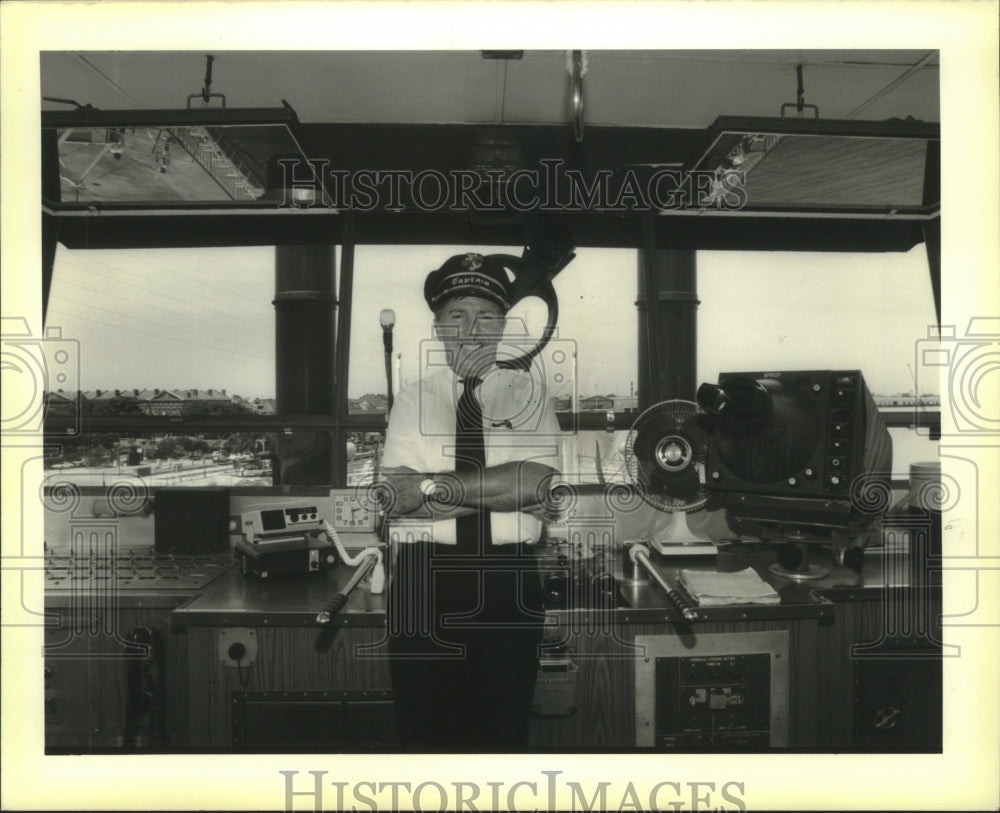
<point>470,457</point>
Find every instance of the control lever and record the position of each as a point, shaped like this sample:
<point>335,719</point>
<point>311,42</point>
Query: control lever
<point>369,561</point>
<point>639,554</point>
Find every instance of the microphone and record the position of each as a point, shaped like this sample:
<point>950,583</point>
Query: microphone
<point>387,319</point>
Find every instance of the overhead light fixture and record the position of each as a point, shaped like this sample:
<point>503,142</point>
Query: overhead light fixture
<point>188,159</point>
<point>827,167</point>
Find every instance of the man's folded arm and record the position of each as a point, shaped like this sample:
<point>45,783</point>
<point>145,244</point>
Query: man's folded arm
<point>512,486</point>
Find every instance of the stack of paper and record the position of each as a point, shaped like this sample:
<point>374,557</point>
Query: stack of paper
<point>741,587</point>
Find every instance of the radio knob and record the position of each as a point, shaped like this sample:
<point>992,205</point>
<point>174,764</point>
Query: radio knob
<point>810,473</point>
<point>792,481</point>
<point>835,480</point>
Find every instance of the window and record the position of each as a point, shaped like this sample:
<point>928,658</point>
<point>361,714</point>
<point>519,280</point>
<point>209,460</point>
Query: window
<point>164,334</point>
<point>182,333</point>
<point>196,322</point>
<point>798,311</point>
<point>597,325</point>
<point>591,364</point>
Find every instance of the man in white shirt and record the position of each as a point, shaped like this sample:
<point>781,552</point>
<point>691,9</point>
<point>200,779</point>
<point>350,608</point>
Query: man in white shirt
<point>469,450</point>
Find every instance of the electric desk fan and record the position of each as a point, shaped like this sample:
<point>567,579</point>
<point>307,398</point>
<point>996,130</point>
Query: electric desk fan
<point>665,454</point>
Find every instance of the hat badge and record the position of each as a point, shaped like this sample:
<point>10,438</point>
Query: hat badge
<point>472,262</point>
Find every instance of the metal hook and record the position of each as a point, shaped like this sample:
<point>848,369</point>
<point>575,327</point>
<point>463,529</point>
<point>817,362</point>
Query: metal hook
<point>799,104</point>
<point>205,94</point>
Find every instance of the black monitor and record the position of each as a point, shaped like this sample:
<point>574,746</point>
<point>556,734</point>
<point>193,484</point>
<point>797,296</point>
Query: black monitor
<point>797,456</point>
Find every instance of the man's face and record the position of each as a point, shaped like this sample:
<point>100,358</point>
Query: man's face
<point>470,329</point>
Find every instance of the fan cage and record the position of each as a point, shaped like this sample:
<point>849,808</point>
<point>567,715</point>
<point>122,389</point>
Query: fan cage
<point>661,432</point>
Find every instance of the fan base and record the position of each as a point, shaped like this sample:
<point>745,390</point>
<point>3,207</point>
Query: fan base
<point>810,572</point>
<point>678,540</point>
<point>699,548</point>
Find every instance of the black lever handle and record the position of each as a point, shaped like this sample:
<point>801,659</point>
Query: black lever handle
<point>325,616</point>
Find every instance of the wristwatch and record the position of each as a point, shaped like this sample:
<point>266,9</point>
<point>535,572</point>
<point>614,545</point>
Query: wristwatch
<point>428,488</point>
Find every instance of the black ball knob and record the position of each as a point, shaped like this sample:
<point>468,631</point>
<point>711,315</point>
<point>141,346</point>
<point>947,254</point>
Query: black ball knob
<point>853,558</point>
<point>791,556</point>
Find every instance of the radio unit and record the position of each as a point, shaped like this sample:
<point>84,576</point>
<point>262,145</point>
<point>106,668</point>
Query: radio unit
<point>280,524</point>
<point>268,561</point>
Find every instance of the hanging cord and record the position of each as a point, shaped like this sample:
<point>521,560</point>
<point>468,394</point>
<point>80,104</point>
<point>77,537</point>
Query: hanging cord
<point>205,95</point>
<point>243,678</point>
<point>351,561</point>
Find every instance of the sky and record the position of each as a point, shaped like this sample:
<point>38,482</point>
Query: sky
<point>203,318</point>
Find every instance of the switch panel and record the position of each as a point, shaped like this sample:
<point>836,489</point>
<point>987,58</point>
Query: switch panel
<point>713,700</point>
<point>727,692</point>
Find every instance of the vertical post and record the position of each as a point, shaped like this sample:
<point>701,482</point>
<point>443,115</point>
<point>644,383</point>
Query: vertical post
<point>305,307</point>
<point>932,242</point>
<point>668,338</point>
<point>932,228</point>
<point>649,319</point>
<point>344,339</point>
<point>50,241</point>
<point>50,223</point>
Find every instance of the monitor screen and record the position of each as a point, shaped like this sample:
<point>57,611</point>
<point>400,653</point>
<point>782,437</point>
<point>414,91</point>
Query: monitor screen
<point>791,449</point>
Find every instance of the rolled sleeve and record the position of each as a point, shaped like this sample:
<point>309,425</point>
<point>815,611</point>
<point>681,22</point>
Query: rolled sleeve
<point>401,434</point>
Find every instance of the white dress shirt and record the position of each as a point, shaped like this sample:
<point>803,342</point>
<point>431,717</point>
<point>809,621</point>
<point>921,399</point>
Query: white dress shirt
<point>519,424</point>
